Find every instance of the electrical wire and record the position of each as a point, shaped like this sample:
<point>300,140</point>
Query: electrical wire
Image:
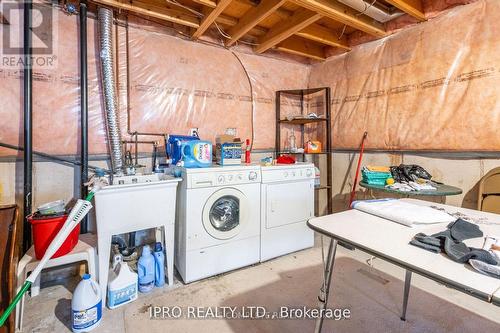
<point>174,2</point>
<point>251,97</point>
<point>343,31</point>
<point>222,32</point>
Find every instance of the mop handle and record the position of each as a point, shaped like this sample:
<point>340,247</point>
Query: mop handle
<point>353,192</point>
<point>27,283</point>
<point>14,302</point>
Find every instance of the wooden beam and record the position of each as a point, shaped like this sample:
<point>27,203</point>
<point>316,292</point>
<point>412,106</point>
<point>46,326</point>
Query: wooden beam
<point>209,19</point>
<point>231,21</point>
<point>281,31</point>
<point>323,35</point>
<point>208,3</point>
<point>161,13</point>
<point>251,18</point>
<point>345,14</point>
<point>412,7</point>
<point>300,46</point>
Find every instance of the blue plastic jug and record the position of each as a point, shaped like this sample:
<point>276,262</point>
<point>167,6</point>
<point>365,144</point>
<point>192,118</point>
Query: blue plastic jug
<point>174,146</point>
<point>197,154</point>
<point>146,270</point>
<point>159,265</point>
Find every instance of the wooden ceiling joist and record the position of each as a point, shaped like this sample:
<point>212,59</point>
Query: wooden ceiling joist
<point>154,11</point>
<point>411,7</point>
<point>323,35</point>
<point>208,3</point>
<point>281,31</point>
<point>345,14</point>
<point>300,46</point>
<point>251,18</point>
<point>209,19</point>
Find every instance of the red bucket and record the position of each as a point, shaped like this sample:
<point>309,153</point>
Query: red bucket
<point>45,229</point>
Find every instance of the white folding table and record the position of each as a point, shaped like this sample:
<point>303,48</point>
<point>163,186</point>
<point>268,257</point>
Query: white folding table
<point>389,241</point>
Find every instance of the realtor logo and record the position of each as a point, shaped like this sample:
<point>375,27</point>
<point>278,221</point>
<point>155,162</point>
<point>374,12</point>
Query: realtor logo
<point>43,35</point>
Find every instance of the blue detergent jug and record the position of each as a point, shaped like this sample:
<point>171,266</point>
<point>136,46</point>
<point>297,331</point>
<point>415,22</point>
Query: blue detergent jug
<point>174,146</point>
<point>197,154</point>
<point>146,270</point>
<point>159,265</point>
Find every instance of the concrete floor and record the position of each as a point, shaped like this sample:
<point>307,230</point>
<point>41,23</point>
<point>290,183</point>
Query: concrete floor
<point>372,294</point>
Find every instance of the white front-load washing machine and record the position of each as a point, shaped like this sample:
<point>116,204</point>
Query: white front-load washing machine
<point>218,220</point>
<point>287,202</point>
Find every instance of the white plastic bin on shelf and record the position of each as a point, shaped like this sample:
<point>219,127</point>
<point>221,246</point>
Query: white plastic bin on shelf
<point>132,207</point>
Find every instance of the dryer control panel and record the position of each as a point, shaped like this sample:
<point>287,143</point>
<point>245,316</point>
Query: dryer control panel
<point>287,174</point>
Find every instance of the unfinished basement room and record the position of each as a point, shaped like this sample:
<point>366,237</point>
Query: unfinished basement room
<point>258,166</point>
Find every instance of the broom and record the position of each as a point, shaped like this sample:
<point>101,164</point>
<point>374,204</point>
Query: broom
<point>81,208</point>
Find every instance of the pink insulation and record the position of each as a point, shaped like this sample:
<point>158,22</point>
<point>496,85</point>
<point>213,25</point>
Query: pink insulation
<point>174,85</point>
<point>434,86</point>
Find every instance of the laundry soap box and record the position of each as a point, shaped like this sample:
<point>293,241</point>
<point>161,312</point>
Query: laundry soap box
<point>228,153</point>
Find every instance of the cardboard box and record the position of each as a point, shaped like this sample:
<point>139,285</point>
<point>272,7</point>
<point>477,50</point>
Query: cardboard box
<point>228,153</point>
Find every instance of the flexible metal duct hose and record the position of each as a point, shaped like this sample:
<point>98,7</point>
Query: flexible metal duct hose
<point>108,82</point>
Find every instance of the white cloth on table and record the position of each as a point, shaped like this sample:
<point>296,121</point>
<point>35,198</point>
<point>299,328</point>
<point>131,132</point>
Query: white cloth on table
<point>403,212</point>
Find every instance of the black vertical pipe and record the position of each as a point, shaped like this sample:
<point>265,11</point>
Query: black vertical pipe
<point>28,126</point>
<point>84,151</point>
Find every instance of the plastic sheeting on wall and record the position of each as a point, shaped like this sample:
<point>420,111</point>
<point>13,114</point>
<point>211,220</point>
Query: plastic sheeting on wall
<point>435,86</point>
<point>174,85</point>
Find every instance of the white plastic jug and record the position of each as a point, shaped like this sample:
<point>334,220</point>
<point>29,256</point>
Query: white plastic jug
<point>86,306</point>
<point>122,288</point>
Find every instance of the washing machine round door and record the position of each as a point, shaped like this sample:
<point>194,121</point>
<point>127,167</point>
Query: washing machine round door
<point>225,213</point>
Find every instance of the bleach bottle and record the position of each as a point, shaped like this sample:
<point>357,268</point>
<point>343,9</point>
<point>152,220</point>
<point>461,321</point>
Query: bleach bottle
<point>146,270</point>
<point>122,288</point>
<point>196,154</point>
<point>86,306</point>
<point>159,265</point>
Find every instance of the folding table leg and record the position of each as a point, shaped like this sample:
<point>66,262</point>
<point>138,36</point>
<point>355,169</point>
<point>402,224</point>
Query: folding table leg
<point>327,280</point>
<point>406,293</point>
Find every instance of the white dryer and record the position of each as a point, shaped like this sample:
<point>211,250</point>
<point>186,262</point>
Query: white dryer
<point>287,198</point>
<point>218,220</point>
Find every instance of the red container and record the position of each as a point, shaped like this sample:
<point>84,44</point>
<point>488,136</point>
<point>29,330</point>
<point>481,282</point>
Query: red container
<point>45,229</point>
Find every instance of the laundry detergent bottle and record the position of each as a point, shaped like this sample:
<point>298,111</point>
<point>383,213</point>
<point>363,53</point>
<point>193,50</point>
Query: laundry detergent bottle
<point>159,265</point>
<point>86,306</point>
<point>197,154</point>
<point>146,270</point>
<point>122,286</point>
